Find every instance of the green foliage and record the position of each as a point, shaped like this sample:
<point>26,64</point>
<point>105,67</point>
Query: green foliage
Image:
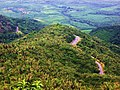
<point>23,85</point>
<point>47,58</point>
<point>8,28</point>
<point>109,34</point>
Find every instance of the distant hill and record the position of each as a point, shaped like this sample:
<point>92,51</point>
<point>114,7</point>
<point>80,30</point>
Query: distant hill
<point>47,60</point>
<point>110,34</point>
<point>8,27</point>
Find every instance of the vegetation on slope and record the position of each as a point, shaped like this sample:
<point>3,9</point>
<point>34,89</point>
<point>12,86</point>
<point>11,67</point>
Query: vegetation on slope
<point>48,60</point>
<point>109,34</point>
<point>8,27</point>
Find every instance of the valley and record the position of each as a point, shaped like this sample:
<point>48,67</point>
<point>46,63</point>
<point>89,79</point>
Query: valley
<point>83,14</point>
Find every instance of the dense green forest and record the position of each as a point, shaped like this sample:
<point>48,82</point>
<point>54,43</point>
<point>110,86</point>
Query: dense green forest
<point>45,60</point>
<point>110,34</point>
<point>8,27</point>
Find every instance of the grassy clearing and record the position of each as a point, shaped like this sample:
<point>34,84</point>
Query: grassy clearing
<point>81,25</point>
<point>86,31</point>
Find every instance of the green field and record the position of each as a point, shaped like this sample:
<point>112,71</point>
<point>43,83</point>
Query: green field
<point>86,31</point>
<point>90,15</point>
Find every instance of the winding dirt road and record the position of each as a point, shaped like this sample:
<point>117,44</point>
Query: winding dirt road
<point>100,68</point>
<point>76,40</point>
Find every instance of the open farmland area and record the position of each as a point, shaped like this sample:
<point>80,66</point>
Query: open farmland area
<point>82,14</point>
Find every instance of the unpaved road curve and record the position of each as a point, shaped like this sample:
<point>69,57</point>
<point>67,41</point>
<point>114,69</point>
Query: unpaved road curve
<point>76,40</point>
<point>100,68</point>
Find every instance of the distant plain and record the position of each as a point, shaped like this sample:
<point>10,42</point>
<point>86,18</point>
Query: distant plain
<point>83,14</point>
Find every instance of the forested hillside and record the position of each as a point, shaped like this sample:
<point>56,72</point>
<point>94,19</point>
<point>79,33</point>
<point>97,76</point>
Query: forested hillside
<point>8,28</point>
<point>110,34</point>
<point>47,60</point>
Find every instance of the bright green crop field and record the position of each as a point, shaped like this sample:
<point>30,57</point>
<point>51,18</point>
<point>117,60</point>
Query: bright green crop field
<point>83,14</point>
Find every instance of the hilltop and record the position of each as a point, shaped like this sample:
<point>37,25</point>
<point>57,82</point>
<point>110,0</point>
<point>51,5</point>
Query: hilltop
<point>47,56</point>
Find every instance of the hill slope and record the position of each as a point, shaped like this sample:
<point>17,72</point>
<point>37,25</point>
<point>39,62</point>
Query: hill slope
<point>110,34</point>
<point>49,57</point>
<point>8,27</point>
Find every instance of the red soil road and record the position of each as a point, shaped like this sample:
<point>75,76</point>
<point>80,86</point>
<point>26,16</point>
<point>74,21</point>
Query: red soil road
<point>76,40</point>
<point>100,68</point>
